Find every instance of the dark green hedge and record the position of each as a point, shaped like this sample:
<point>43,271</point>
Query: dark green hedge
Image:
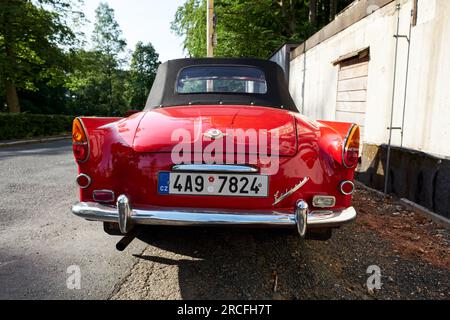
<point>24,125</point>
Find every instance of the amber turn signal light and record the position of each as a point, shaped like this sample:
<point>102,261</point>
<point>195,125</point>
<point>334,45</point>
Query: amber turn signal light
<point>350,150</point>
<point>78,134</point>
<point>80,143</point>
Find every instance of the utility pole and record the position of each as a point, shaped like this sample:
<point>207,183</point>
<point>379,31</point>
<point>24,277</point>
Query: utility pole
<point>210,28</point>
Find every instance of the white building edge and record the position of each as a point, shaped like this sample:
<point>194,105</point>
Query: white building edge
<point>349,76</point>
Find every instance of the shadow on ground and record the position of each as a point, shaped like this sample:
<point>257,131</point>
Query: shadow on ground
<point>230,263</point>
<point>237,263</point>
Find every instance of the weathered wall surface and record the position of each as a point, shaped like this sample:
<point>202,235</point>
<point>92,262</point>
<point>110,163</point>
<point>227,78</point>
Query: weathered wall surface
<point>413,175</point>
<point>427,113</point>
<point>282,57</point>
<point>420,171</point>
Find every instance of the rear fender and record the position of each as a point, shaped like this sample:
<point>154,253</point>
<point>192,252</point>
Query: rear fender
<point>92,123</point>
<point>332,138</point>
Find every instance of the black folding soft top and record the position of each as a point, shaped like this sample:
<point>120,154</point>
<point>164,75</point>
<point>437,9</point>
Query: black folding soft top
<point>164,92</point>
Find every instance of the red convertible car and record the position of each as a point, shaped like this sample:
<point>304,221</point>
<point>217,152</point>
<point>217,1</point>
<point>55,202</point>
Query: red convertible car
<point>220,142</point>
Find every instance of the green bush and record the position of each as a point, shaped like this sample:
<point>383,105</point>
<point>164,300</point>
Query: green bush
<point>23,125</point>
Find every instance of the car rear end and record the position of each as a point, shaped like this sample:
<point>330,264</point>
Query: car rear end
<point>128,175</point>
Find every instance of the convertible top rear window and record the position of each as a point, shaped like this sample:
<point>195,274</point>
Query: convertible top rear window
<point>221,79</point>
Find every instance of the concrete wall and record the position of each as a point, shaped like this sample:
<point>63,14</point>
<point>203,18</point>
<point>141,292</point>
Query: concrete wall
<point>282,57</point>
<point>427,116</point>
<point>414,175</point>
<point>420,167</point>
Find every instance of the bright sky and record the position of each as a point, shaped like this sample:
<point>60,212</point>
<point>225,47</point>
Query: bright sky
<point>143,20</point>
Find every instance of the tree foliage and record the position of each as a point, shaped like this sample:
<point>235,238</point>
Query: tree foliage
<point>144,64</point>
<point>249,28</point>
<point>109,44</point>
<point>31,37</point>
<point>99,85</point>
<point>44,68</point>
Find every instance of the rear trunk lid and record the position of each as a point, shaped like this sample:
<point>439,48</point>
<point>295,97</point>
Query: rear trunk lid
<point>247,129</point>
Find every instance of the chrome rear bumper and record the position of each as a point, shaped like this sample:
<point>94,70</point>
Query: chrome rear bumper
<point>123,214</point>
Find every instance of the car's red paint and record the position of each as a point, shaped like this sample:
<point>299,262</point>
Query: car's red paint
<point>156,130</point>
<point>126,155</point>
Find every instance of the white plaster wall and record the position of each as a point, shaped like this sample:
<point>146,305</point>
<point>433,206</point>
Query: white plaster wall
<point>427,116</point>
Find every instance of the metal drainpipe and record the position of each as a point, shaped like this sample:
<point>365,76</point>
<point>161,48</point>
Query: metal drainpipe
<point>386,171</point>
<point>304,78</point>
<point>406,80</point>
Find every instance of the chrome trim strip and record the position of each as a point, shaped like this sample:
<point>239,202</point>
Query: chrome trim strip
<point>331,218</point>
<point>87,177</point>
<point>188,217</point>
<point>168,216</point>
<point>278,199</point>
<point>214,168</point>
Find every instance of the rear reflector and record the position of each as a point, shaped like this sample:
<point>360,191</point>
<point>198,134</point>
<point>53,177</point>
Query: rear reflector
<point>324,201</point>
<point>347,187</point>
<point>83,180</point>
<point>103,195</point>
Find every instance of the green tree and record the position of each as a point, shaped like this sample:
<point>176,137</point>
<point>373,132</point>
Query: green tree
<point>31,36</point>
<point>87,89</point>
<point>108,42</point>
<point>144,64</point>
<point>244,27</point>
<point>249,27</point>
<point>189,23</point>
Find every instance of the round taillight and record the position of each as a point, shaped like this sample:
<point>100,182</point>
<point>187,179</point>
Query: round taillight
<point>347,187</point>
<point>83,180</point>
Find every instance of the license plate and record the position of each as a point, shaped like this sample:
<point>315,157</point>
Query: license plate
<point>213,184</point>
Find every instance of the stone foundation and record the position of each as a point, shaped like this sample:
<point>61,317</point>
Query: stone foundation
<point>414,175</point>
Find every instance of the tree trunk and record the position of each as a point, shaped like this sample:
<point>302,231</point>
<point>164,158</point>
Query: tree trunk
<point>12,98</point>
<point>313,12</point>
<point>333,9</point>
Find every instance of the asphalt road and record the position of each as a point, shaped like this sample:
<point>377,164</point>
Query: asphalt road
<point>39,236</point>
<point>40,239</point>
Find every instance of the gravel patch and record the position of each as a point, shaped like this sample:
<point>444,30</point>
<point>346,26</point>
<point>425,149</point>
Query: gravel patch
<point>411,251</point>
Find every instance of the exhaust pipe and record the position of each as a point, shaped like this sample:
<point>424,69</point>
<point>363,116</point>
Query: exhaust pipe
<point>126,240</point>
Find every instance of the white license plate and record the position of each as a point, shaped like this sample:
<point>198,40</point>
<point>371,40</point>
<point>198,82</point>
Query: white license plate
<point>216,184</point>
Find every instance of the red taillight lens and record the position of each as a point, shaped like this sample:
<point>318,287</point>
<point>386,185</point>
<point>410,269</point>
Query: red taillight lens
<point>79,141</point>
<point>350,152</point>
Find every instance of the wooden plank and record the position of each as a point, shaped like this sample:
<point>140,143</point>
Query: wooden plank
<point>355,72</point>
<point>349,96</point>
<point>352,84</point>
<point>353,64</point>
<point>351,106</point>
<point>358,118</point>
